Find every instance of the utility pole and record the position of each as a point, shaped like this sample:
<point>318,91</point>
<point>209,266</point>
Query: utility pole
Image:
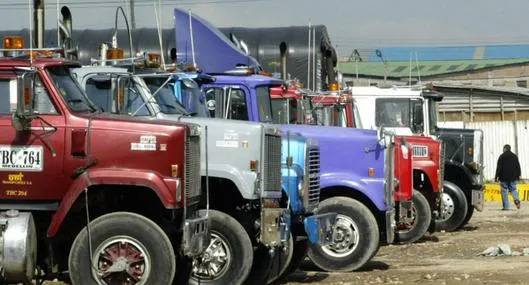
<point>132,16</point>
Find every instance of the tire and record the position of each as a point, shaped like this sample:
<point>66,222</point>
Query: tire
<point>468,216</point>
<point>261,265</point>
<point>109,233</point>
<point>301,247</point>
<point>229,240</point>
<point>419,222</point>
<point>281,261</point>
<point>453,210</point>
<point>354,221</point>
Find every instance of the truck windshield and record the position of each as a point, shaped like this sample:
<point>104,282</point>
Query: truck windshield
<point>392,113</point>
<point>284,111</point>
<point>165,97</point>
<point>70,90</point>
<point>264,103</point>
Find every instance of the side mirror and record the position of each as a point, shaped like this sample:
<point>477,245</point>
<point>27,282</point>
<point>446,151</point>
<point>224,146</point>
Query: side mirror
<point>24,114</point>
<point>117,87</point>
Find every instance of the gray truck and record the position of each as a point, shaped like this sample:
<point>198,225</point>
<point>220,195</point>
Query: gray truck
<point>248,218</point>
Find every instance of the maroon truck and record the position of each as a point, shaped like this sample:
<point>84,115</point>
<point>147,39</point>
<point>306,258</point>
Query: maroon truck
<point>104,197</point>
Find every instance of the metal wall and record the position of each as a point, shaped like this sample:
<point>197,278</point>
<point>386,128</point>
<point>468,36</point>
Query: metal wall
<point>495,135</point>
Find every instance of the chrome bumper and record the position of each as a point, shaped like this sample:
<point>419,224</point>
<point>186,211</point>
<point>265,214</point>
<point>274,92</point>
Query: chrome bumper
<point>391,225</point>
<point>196,235</point>
<point>478,199</point>
<point>319,228</point>
<point>275,226</point>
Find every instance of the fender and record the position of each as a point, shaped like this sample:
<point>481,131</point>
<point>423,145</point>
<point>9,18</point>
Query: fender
<point>373,188</point>
<point>290,182</point>
<point>106,176</point>
<point>467,179</point>
<point>430,169</point>
<point>243,180</point>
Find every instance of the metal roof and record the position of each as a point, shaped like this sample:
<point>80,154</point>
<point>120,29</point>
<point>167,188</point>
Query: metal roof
<point>403,69</point>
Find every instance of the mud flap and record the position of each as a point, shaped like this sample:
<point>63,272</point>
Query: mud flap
<point>319,228</point>
<point>478,199</point>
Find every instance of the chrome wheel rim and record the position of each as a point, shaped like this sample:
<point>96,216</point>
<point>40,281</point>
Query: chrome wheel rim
<point>214,262</point>
<point>345,238</point>
<point>121,260</point>
<point>448,208</point>
<point>408,223</point>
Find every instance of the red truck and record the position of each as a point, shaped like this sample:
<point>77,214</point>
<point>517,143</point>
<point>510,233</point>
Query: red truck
<point>417,193</point>
<point>108,198</point>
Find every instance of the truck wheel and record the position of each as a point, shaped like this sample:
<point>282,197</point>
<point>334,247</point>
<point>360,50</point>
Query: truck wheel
<point>261,265</point>
<point>415,226</point>
<point>228,258</point>
<point>300,248</point>
<point>468,216</point>
<point>453,210</point>
<point>355,239</point>
<point>126,248</point>
<point>281,261</point>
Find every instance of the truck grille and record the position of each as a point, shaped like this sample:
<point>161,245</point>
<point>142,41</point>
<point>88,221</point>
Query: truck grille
<point>313,178</point>
<point>272,163</point>
<point>420,151</point>
<point>192,168</point>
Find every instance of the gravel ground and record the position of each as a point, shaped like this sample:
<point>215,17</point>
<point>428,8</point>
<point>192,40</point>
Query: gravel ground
<point>442,258</point>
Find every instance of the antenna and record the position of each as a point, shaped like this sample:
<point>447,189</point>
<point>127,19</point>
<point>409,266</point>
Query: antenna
<point>308,59</point>
<point>192,41</point>
<point>418,70</point>
<point>314,57</point>
<point>30,10</point>
<point>159,29</point>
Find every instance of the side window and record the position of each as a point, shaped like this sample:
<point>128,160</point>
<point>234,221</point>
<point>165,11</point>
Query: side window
<point>392,112</point>
<point>238,110</point>
<point>42,102</point>
<point>99,91</point>
<point>212,96</point>
<point>7,104</point>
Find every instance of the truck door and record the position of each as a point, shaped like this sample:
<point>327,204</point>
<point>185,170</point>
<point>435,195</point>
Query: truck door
<point>31,161</point>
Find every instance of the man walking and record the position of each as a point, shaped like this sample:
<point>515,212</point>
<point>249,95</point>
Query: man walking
<point>508,172</point>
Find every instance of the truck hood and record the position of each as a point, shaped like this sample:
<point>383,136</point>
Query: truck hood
<point>345,150</point>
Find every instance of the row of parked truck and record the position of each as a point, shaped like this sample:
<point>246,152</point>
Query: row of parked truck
<point>124,172</point>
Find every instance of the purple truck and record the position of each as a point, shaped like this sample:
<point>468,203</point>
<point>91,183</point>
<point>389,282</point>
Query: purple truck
<point>356,176</point>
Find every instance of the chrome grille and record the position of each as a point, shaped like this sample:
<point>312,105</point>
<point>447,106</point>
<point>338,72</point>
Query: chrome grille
<point>312,178</point>
<point>192,167</point>
<point>272,163</point>
<point>420,151</point>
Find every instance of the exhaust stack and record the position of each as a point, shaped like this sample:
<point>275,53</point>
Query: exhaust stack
<point>38,21</point>
<point>283,51</point>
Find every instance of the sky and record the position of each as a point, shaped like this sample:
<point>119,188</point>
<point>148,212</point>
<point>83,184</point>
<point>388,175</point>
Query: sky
<point>351,24</point>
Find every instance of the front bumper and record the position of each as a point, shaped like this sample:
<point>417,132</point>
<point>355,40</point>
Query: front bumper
<point>196,234</point>
<point>478,199</point>
<point>275,226</point>
<point>319,228</point>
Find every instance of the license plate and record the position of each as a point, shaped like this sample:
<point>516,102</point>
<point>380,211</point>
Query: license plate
<point>15,158</point>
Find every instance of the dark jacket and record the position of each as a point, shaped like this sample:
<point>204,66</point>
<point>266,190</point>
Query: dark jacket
<point>508,168</point>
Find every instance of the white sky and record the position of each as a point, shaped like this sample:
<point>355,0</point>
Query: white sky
<point>352,24</point>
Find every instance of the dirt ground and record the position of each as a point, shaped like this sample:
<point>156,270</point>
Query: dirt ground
<point>444,258</point>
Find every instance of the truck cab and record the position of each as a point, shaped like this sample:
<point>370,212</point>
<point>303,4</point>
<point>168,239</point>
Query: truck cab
<point>106,197</point>
<point>412,111</point>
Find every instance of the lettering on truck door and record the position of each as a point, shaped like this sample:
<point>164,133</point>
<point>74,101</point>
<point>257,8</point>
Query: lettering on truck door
<point>31,162</point>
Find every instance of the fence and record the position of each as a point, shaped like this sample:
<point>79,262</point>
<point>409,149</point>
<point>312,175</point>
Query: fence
<point>495,135</point>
